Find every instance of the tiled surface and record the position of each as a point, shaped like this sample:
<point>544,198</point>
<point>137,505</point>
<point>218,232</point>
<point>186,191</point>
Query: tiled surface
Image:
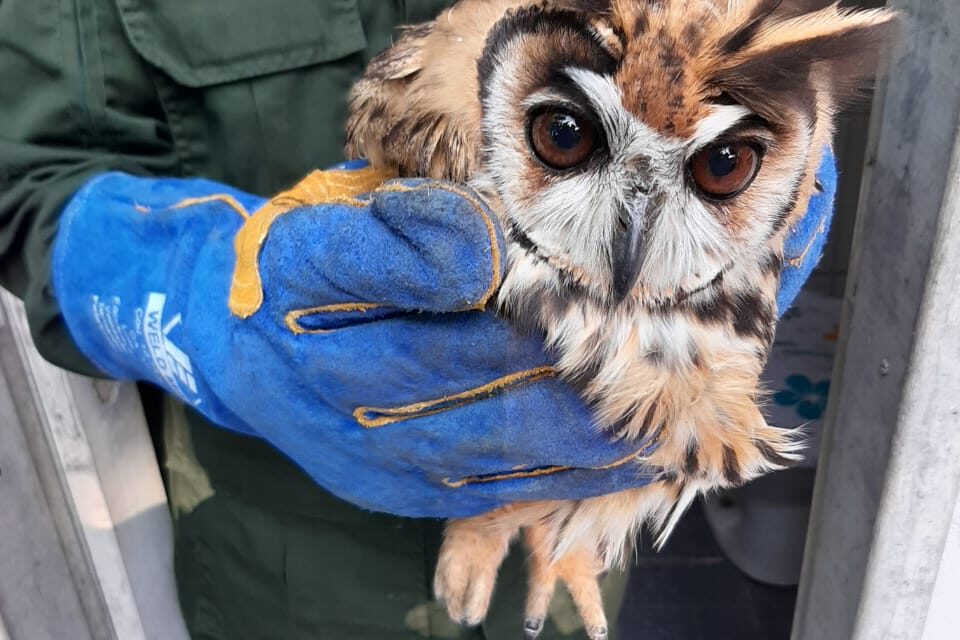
<point>690,591</point>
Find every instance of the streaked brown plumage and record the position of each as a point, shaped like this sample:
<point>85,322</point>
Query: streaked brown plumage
<point>659,293</point>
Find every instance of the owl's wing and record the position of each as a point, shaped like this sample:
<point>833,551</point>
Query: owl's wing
<point>417,107</point>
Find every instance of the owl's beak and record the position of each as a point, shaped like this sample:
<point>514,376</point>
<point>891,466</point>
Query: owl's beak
<point>628,246</point>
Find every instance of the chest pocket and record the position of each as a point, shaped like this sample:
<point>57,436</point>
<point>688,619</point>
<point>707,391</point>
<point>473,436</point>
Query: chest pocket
<point>204,42</point>
<point>254,90</point>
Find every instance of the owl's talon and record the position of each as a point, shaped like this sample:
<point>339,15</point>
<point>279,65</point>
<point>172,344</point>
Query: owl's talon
<point>467,570</point>
<point>597,633</point>
<point>465,591</point>
<point>532,628</point>
<point>579,571</point>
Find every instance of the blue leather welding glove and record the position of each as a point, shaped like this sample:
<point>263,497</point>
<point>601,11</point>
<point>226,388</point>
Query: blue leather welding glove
<point>343,322</point>
<point>804,243</point>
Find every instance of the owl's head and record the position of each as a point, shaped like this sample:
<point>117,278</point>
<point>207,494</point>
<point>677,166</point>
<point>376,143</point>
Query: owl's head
<point>650,147</point>
<point>641,147</point>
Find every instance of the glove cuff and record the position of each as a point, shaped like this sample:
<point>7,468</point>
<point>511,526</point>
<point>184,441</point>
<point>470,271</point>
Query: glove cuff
<point>72,252</point>
<point>126,249</point>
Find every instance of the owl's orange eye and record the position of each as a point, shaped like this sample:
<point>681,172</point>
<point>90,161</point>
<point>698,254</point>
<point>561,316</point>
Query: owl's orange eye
<point>724,170</point>
<point>561,139</point>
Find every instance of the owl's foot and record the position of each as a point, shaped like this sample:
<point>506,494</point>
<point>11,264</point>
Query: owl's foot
<point>470,557</point>
<point>579,571</point>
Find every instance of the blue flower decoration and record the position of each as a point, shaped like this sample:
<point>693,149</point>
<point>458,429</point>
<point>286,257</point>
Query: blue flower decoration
<point>810,399</point>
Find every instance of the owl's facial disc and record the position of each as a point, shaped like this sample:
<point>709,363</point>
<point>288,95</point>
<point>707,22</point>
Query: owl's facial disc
<point>587,183</point>
<point>646,160</point>
<point>630,211</point>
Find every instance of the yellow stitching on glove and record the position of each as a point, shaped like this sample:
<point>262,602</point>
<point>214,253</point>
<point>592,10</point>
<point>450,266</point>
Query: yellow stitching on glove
<point>798,261</point>
<point>480,210</point>
<point>374,417</point>
<point>292,319</point>
<point>319,187</point>
<point>246,290</point>
<point>535,473</point>
<point>227,199</point>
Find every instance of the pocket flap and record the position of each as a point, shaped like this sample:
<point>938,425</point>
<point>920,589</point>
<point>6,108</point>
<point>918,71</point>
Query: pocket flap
<point>206,42</point>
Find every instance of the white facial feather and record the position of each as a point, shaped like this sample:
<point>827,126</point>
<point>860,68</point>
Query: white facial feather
<point>720,120</point>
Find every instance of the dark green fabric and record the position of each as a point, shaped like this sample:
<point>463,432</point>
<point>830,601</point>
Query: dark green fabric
<point>318,565</point>
<point>251,93</point>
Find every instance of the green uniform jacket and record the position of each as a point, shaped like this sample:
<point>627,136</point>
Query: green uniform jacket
<point>251,93</point>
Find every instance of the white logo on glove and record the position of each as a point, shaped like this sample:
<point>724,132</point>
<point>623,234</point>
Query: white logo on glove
<point>169,361</point>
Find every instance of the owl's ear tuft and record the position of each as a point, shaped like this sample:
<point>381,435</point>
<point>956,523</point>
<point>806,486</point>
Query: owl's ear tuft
<point>779,59</point>
<point>798,7</point>
<point>755,19</point>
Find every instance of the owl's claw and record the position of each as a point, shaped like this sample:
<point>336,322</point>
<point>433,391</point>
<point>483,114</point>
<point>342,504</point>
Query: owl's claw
<point>465,589</point>
<point>540,591</point>
<point>467,570</point>
<point>532,627</point>
<point>597,633</point>
<point>579,570</point>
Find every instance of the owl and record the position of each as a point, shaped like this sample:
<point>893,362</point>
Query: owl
<point>646,159</point>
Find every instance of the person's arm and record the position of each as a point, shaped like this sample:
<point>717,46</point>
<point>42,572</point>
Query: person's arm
<point>56,133</point>
<point>62,142</point>
<point>332,359</point>
<point>343,321</point>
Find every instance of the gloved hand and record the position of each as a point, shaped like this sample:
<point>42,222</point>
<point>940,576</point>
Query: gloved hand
<point>804,243</point>
<point>341,321</point>
<point>325,329</point>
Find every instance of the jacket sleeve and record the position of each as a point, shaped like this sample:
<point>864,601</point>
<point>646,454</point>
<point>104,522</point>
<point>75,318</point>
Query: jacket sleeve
<point>75,101</point>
